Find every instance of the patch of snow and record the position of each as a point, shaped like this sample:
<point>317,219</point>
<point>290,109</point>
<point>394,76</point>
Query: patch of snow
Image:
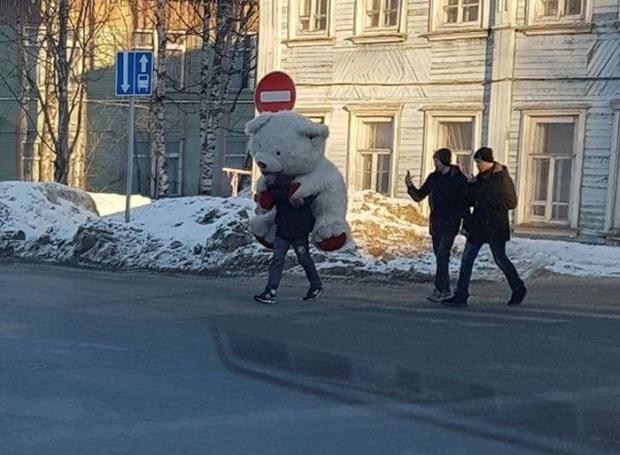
<point>208,234</point>
<point>111,203</point>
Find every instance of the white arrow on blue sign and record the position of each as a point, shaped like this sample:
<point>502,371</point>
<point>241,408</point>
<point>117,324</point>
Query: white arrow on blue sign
<point>134,73</point>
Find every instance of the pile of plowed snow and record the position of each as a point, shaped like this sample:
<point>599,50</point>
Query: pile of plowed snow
<point>51,222</point>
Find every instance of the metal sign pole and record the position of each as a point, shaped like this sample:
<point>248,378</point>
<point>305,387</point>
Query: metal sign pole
<point>129,178</point>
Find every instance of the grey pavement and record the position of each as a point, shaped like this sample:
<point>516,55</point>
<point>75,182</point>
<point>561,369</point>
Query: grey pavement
<point>136,363</point>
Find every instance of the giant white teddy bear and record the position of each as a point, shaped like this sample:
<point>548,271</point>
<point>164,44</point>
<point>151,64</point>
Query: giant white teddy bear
<point>288,143</point>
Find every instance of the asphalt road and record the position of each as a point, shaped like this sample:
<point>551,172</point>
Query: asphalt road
<point>137,363</point>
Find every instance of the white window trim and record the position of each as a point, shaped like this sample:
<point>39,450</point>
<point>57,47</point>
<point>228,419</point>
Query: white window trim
<point>613,190</point>
<point>299,38</point>
<point>567,24</point>
<point>440,31</point>
<point>363,35</point>
<point>431,133</point>
<point>358,112</point>
<point>529,120</point>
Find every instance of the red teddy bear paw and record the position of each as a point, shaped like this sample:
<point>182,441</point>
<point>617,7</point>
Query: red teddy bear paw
<point>264,242</point>
<point>264,199</point>
<point>333,243</point>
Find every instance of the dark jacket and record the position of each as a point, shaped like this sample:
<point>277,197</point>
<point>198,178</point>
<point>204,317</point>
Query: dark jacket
<point>447,197</point>
<point>492,194</point>
<point>292,223</point>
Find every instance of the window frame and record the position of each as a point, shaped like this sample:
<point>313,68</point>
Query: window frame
<point>439,29</point>
<point>530,121</point>
<point>297,37</point>
<point>362,34</point>
<point>374,154</point>
<point>174,46</point>
<point>535,18</point>
<point>359,113</point>
<point>433,120</point>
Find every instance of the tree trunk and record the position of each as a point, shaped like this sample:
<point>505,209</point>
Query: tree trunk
<point>207,155</point>
<point>161,184</point>
<point>63,159</point>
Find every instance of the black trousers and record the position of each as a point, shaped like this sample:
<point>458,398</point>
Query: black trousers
<point>442,246</point>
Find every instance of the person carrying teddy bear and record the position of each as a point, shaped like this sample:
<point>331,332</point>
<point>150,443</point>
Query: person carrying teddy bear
<point>294,223</point>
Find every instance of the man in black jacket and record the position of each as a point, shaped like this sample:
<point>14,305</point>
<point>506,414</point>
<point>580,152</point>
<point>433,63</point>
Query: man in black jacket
<point>492,194</point>
<point>446,189</point>
<point>293,226</point>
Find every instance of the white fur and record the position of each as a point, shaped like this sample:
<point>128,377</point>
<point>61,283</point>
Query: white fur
<point>301,146</point>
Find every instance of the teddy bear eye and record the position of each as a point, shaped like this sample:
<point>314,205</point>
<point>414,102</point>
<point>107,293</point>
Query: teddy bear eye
<point>278,153</point>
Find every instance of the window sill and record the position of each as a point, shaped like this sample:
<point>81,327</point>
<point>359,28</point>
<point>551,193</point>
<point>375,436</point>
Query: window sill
<point>556,28</point>
<point>456,33</point>
<point>302,41</point>
<point>545,231</point>
<point>375,38</point>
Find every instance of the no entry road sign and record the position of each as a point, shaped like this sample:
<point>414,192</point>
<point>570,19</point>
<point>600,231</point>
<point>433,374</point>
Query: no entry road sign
<point>275,92</point>
<point>134,73</point>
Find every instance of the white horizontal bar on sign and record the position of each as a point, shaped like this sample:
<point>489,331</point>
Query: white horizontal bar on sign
<point>280,96</point>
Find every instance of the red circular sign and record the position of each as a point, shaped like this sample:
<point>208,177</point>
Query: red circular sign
<point>275,92</point>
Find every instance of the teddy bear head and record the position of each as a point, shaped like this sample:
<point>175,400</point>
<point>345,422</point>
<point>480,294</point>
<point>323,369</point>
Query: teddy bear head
<point>286,142</point>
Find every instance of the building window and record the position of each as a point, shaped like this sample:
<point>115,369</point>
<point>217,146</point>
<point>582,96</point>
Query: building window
<point>551,164</point>
<point>557,11</point>
<point>461,11</point>
<point>458,136</point>
<point>374,152</point>
<point>382,14</point>
<point>313,15</point>
<point>467,17</point>
<point>379,21</point>
<point>175,61</point>
<point>143,40</point>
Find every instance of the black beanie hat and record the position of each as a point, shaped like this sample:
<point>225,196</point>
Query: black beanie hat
<point>484,154</point>
<point>444,155</point>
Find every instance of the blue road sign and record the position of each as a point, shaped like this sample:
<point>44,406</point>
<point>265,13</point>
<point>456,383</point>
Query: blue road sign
<point>134,73</point>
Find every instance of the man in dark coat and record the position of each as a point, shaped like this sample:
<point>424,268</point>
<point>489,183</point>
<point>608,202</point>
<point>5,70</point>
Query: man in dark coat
<point>446,189</point>
<point>492,194</point>
<point>293,226</point>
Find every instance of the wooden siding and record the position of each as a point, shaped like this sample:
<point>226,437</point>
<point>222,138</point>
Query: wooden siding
<point>552,71</point>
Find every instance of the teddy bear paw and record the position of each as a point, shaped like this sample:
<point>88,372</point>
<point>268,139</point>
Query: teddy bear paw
<point>333,243</point>
<point>330,236</point>
<point>264,200</point>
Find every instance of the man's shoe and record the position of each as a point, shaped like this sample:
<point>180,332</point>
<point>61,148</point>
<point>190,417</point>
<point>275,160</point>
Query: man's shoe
<point>268,297</point>
<point>438,296</point>
<point>458,300</point>
<point>518,295</point>
<point>313,294</point>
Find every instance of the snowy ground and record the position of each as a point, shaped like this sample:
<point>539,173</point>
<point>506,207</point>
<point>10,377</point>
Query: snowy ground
<point>209,235</point>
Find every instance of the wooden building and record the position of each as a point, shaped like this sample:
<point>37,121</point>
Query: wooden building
<point>537,80</point>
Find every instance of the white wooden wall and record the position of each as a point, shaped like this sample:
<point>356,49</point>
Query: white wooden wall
<point>548,72</point>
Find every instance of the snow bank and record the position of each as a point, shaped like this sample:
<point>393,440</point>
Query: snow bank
<point>35,218</point>
<point>210,235</point>
<point>109,203</point>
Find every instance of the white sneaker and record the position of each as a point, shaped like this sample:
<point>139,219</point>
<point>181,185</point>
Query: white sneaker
<point>437,296</point>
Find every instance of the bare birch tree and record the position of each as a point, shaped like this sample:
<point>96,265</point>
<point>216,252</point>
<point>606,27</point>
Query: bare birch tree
<point>226,29</point>
<point>55,43</point>
<point>158,108</point>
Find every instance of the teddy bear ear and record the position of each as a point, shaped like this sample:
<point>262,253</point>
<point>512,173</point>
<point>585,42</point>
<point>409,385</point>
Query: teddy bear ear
<point>253,126</point>
<point>314,130</point>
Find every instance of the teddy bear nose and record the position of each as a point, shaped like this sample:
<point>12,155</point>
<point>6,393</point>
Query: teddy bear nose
<point>261,165</point>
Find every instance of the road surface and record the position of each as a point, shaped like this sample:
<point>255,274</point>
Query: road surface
<point>138,363</point>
